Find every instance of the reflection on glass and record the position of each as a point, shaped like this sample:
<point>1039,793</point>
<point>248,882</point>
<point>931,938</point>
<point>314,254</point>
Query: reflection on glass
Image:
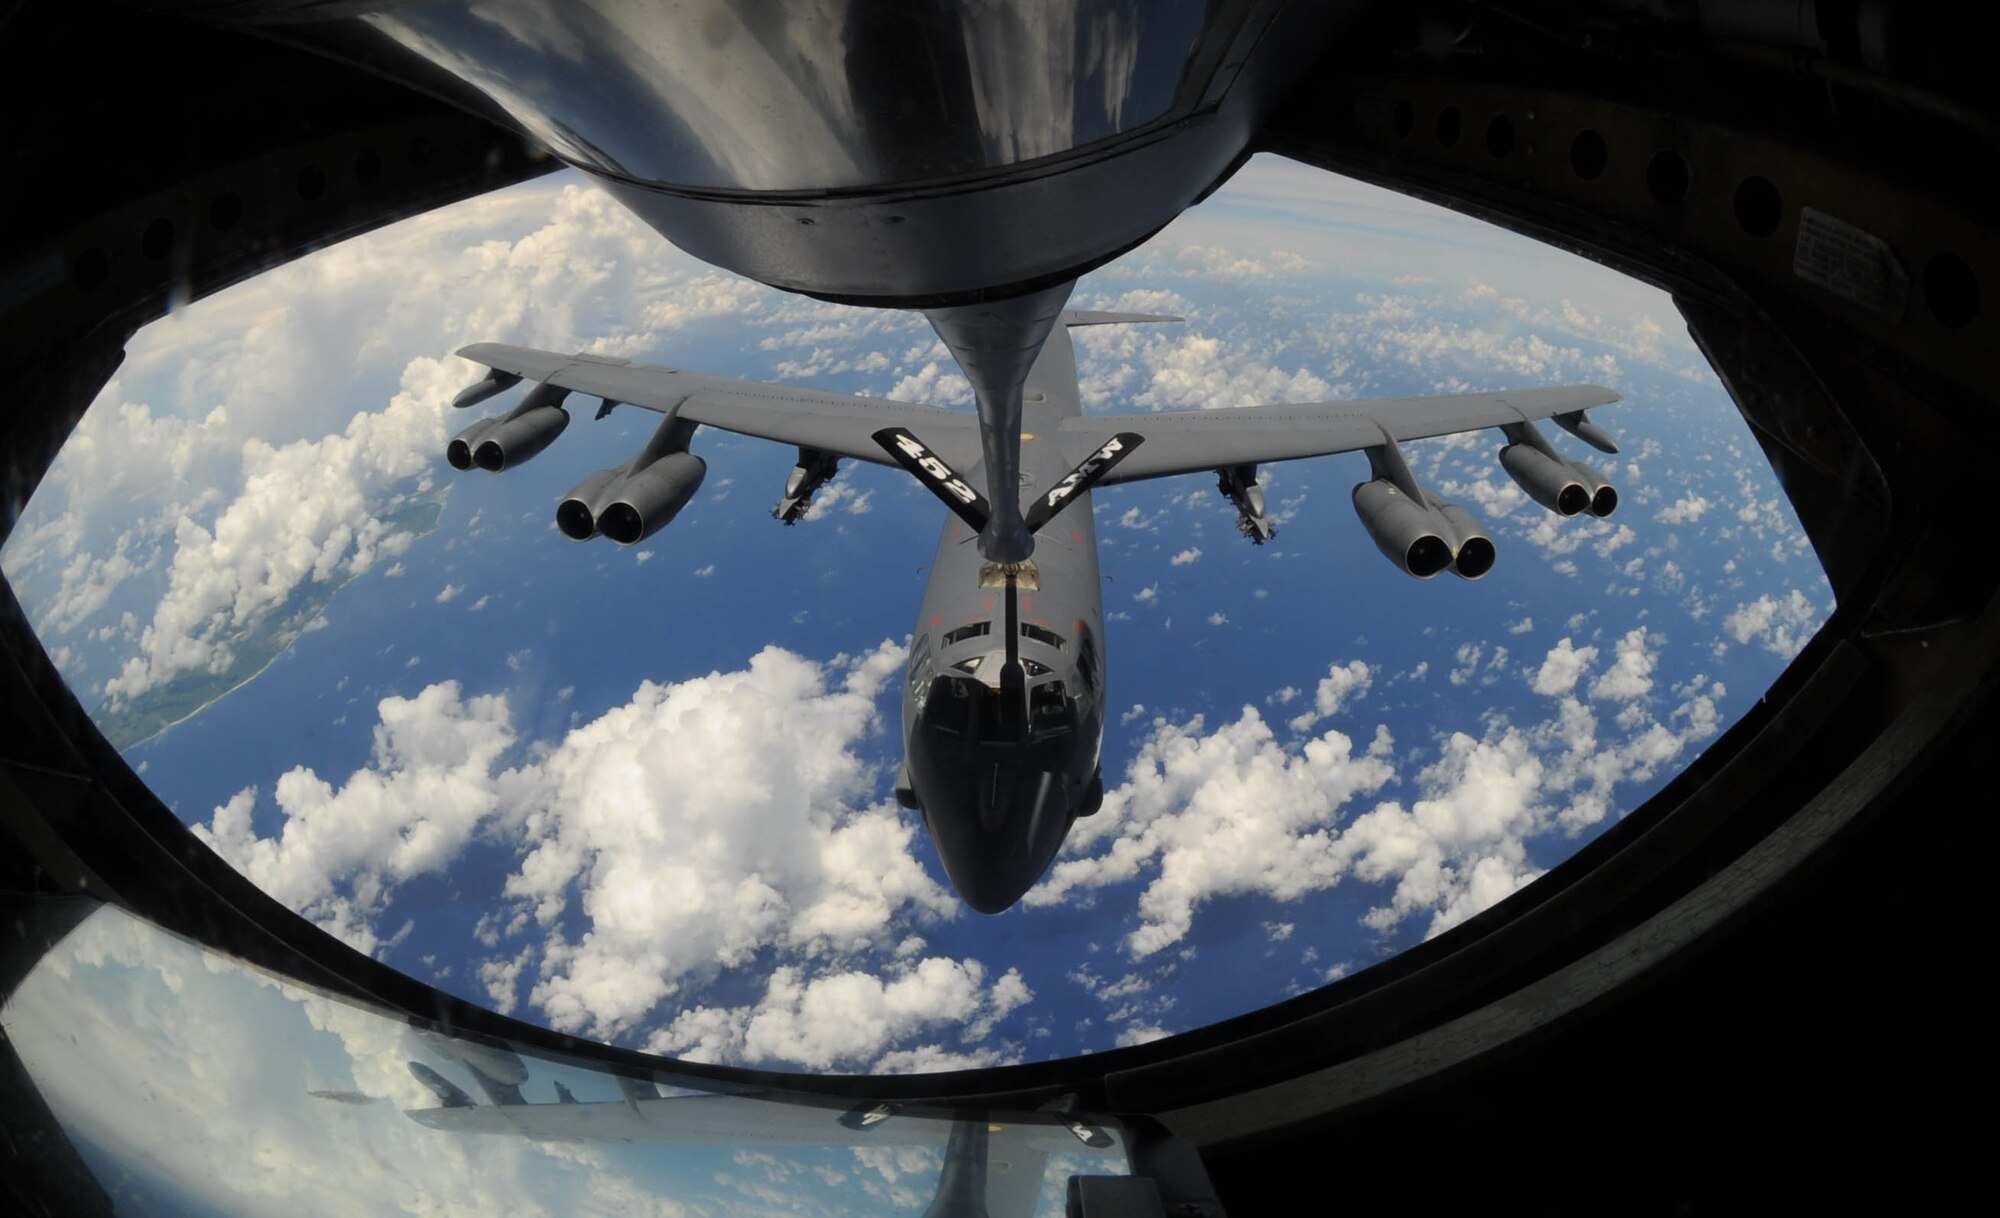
<point>191,1083</point>
<point>647,794</point>
<point>832,94</point>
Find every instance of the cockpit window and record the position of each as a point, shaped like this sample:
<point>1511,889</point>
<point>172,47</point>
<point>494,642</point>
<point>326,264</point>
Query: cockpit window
<point>971,630</point>
<point>1041,634</point>
<point>951,704</point>
<point>920,660</point>
<point>1034,668</point>
<point>1048,709</point>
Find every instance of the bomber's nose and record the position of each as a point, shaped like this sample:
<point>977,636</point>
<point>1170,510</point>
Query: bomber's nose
<point>999,831</point>
<point>998,794</point>
<point>995,849</point>
<point>992,892</point>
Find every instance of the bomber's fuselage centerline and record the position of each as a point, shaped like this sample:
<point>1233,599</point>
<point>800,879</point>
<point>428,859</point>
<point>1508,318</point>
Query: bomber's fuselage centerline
<point>997,345</point>
<point>1003,704</point>
<point>999,774</point>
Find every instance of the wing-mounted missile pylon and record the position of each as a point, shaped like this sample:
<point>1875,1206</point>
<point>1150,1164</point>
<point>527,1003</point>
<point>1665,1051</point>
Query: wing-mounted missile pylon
<point>630,502</point>
<point>1238,484</point>
<point>504,442</point>
<point>1413,528</point>
<point>816,468</point>
<point>1565,487</point>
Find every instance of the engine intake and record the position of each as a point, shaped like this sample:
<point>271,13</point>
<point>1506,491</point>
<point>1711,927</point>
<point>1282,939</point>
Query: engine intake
<point>1473,553</point>
<point>1423,538</point>
<point>512,441</point>
<point>1410,534</point>
<point>1603,496</point>
<point>643,503</point>
<point>576,515</point>
<point>459,451</point>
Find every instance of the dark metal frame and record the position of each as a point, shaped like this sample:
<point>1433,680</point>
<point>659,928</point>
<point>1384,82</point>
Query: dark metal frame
<point>1703,154</point>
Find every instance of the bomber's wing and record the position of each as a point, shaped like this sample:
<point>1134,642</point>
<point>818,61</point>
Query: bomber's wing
<point>1092,317</point>
<point>1013,1161</point>
<point>1189,441</point>
<point>837,423</point>
<point>688,1120</point>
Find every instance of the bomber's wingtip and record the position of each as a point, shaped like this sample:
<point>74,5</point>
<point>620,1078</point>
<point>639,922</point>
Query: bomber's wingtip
<point>481,353</point>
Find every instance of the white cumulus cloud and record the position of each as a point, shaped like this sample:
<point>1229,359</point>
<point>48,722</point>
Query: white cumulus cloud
<point>1207,813</point>
<point>342,849</point>
<point>309,511</point>
<point>1562,666</point>
<point>705,820</point>
<point>848,1018</point>
<point>1685,510</point>
<point>688,832</point>
<point>1780,625</point>
<point>1631,673</point>
<point>1341,682</point>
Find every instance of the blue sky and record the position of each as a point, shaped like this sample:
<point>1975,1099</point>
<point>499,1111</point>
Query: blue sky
<point>643,794</point>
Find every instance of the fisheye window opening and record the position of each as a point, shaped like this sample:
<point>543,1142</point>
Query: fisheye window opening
<point>406,701</point>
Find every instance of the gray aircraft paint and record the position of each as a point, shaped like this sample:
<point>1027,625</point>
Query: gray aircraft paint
<point>999,810</point>
<point>999,793</point>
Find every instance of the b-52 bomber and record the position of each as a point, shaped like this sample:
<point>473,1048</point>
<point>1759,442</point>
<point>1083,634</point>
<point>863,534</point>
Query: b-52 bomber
<point>1004,705</point>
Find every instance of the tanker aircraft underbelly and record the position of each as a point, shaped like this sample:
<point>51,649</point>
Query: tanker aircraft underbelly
<point>1003,703</point>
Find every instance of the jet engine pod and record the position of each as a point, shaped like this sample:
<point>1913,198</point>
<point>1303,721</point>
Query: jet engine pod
<point>1603,496</point>
<point>459,451</point>
<point>1409,533</point>
<point>644,503</point>
<point>511,441</point>
<point>1550,481</point>
<point>1472,550</point>
<point>576,515</point>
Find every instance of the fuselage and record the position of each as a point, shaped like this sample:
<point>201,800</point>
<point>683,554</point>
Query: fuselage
<point>1000,773</point>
